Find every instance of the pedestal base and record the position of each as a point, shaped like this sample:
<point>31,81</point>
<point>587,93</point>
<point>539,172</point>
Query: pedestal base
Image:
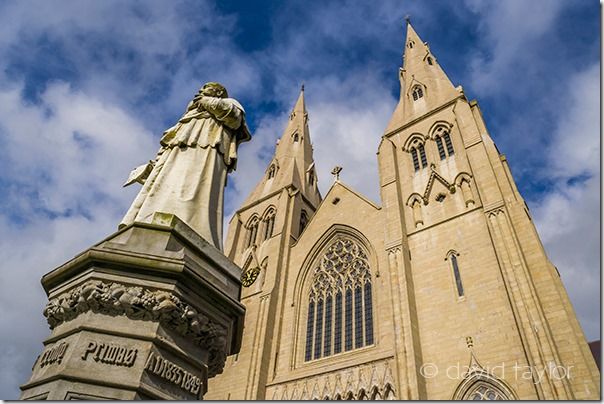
<point>149,313</point>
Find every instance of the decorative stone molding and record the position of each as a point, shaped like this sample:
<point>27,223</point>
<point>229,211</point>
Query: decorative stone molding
<point>436,176</point>
<point>137,303</point>
<point>367,381</point>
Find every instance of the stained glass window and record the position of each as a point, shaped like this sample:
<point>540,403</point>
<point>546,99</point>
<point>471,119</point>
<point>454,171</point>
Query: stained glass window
<point>309,330</point>
<point>341,294</point>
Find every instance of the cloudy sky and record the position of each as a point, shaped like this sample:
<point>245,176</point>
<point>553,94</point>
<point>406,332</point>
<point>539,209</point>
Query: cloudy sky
<point>86,89</point>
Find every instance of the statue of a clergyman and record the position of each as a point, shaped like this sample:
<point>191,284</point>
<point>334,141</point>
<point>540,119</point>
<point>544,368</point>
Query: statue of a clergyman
<point>189,174</point>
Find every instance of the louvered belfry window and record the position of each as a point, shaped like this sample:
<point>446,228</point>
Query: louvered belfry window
<point>340,312</point>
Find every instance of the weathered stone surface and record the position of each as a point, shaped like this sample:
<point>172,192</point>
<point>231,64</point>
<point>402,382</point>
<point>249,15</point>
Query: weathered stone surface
<point>149,313</point>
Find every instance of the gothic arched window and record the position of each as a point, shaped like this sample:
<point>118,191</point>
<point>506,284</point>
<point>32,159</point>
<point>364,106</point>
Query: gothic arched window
<point>252,231</point>
<point>296,137</point>
<point>271,171</point>
<point>269,223</point>
<point>418,154</point>
<point>483,387</point>
<point>417,93</point>
<point>340,301</point>
<point>443,142</point>
<point>456,275</point>
<point>429,59</point>
<point>415,158</point>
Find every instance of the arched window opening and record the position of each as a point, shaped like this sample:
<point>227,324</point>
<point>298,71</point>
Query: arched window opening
<point>417,93</point>
<point>311,177</point>
<point>252,232</point>
<point>443,142</point>
<point>340,302</point>
<point>415,159</point>
<point>272,171</point>
<point>441,148</point>
<point>296,137</point>
<point>418,154</point>
<point>411,44</point>
<point>303,221</point>
<point>429,59</point>
<point>269,224</point>
<point>456,275</point>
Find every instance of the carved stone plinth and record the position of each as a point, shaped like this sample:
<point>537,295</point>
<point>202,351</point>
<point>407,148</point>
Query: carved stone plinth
<point>149,313</point>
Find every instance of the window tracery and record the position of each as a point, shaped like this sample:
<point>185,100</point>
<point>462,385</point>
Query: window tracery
<point>485,392</point>
<point>417,93</point>
<point>340,302</point>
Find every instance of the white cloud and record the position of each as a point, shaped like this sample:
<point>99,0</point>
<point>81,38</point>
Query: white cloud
<point>567,217</point>
<point>63,161</point>
<point>68,153</point>
<point>510,29</point>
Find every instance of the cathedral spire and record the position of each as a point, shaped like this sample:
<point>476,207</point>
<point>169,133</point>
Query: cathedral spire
<point>292,163</point>
<point>424,84</point>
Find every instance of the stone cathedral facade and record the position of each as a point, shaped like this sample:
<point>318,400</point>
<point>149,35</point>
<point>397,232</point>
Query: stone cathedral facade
<point>442,291</point>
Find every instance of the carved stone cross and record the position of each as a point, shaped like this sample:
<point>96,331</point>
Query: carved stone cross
<point>336,173</point>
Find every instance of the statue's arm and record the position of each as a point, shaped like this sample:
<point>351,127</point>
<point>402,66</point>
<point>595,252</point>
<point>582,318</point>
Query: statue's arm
<point>223,110</point>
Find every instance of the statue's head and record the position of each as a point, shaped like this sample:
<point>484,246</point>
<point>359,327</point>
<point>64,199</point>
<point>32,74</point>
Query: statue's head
<point>213,89</point>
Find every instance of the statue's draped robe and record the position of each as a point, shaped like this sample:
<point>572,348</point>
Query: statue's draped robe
<point>189,174</point>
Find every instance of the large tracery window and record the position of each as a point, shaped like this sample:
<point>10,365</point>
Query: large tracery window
<point>340,313</point>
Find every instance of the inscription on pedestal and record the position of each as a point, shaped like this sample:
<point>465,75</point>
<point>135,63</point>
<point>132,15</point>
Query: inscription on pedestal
<point>54,354</point>
<point>111,354</point>
<point>173,373</point>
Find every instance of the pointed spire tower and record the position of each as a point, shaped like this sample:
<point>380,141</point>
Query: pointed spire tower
<point>424,84</point>
<point>292,163</point>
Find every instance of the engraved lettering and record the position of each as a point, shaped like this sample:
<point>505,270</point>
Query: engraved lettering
<point>54,354</point>
<point>173,373</point>
<point>119,358</point>
<point>100,349</point>
<point>130,357</point>
<point>91,348</point>
<point>110,354</point>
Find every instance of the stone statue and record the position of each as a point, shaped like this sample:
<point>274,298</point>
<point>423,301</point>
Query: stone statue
<point>189,173</point>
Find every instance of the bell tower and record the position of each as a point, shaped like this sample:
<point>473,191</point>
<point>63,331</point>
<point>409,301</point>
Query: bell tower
<point>260,234</point>
<point>465,256</point>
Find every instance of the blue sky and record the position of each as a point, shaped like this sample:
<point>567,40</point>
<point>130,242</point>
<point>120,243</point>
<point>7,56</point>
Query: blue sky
<point>86,89</point>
